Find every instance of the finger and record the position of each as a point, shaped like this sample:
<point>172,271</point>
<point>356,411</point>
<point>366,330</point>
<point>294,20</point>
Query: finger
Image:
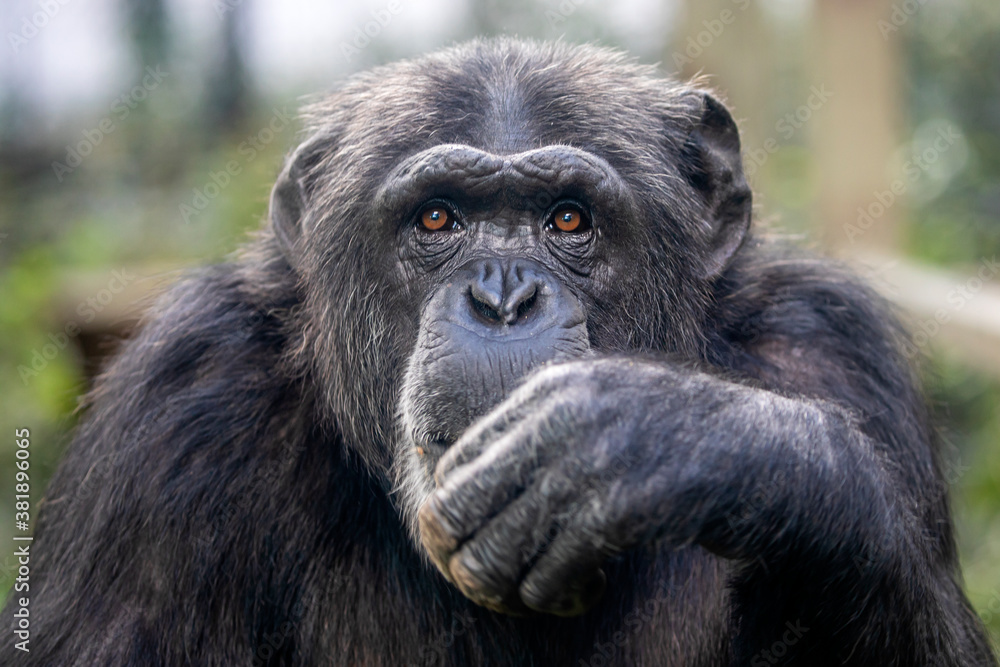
<point>454,513</point>
<point>497,555</point>
<point>482,489</point>
<point>470,496</point>
<point>511,414</point>
<point>436,536</point>
<point>488,567</point>
<point>567,580</point>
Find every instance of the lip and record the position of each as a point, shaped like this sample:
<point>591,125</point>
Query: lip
<point>501,335</point>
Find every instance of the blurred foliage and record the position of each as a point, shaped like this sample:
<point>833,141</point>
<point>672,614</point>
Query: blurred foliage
<point>966,405</point>
<point>953,74</point>
<point>120,209</point>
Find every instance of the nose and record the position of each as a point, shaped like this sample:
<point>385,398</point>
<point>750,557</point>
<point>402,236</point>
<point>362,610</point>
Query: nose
<point>505,293</point>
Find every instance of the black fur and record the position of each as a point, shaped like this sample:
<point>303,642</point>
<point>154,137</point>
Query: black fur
<point>230,497</point>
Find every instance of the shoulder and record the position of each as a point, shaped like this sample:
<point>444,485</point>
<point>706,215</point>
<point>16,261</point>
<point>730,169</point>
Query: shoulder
<point>807,324</point>
<point>203,373</point>
<point>215,318</point>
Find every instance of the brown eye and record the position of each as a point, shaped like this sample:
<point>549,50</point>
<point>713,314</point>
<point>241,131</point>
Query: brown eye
<point>437,218</point>
<point>568,220</point>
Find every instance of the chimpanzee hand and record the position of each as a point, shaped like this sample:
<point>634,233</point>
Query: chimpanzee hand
<point>538,493</point>
<point>527,498</point>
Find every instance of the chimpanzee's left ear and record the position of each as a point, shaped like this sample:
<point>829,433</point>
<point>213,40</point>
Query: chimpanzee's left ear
<point>713,165</point>
<point>290,197</point>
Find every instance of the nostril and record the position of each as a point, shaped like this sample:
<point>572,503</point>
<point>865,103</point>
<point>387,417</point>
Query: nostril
<point>485,311</point>
<point>526,305</point>
<point>503,296</point>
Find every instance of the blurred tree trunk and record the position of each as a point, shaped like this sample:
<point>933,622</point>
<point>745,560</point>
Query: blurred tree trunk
<point>146,21</point>
<point>731,41</point>
<point>856,136</point>
<point>230,95</point>
<point>149,37</point>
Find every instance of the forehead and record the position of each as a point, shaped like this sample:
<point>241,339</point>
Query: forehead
<point>475,177</point>
<point>510,98</point>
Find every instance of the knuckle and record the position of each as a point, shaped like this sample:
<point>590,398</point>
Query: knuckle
<point>437,534</point>
<point>475,580</point>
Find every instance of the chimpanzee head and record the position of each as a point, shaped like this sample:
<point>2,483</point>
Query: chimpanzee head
<point>458,220</point>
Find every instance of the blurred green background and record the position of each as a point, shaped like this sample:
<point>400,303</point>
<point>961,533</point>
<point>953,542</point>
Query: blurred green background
<point>139,137</point>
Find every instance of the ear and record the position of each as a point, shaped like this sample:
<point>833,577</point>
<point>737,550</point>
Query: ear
<point>712,163</point>
<point>290,196</point>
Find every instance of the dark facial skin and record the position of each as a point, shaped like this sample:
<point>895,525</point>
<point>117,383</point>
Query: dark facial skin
<point>507,287</point>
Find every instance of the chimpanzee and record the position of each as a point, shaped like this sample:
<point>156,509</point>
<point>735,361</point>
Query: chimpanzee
<point>506,379</point>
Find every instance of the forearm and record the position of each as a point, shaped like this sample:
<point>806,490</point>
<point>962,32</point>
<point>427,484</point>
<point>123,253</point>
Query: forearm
<point>827,534</point>
<point>770,462</point>
<point>750,468</point>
